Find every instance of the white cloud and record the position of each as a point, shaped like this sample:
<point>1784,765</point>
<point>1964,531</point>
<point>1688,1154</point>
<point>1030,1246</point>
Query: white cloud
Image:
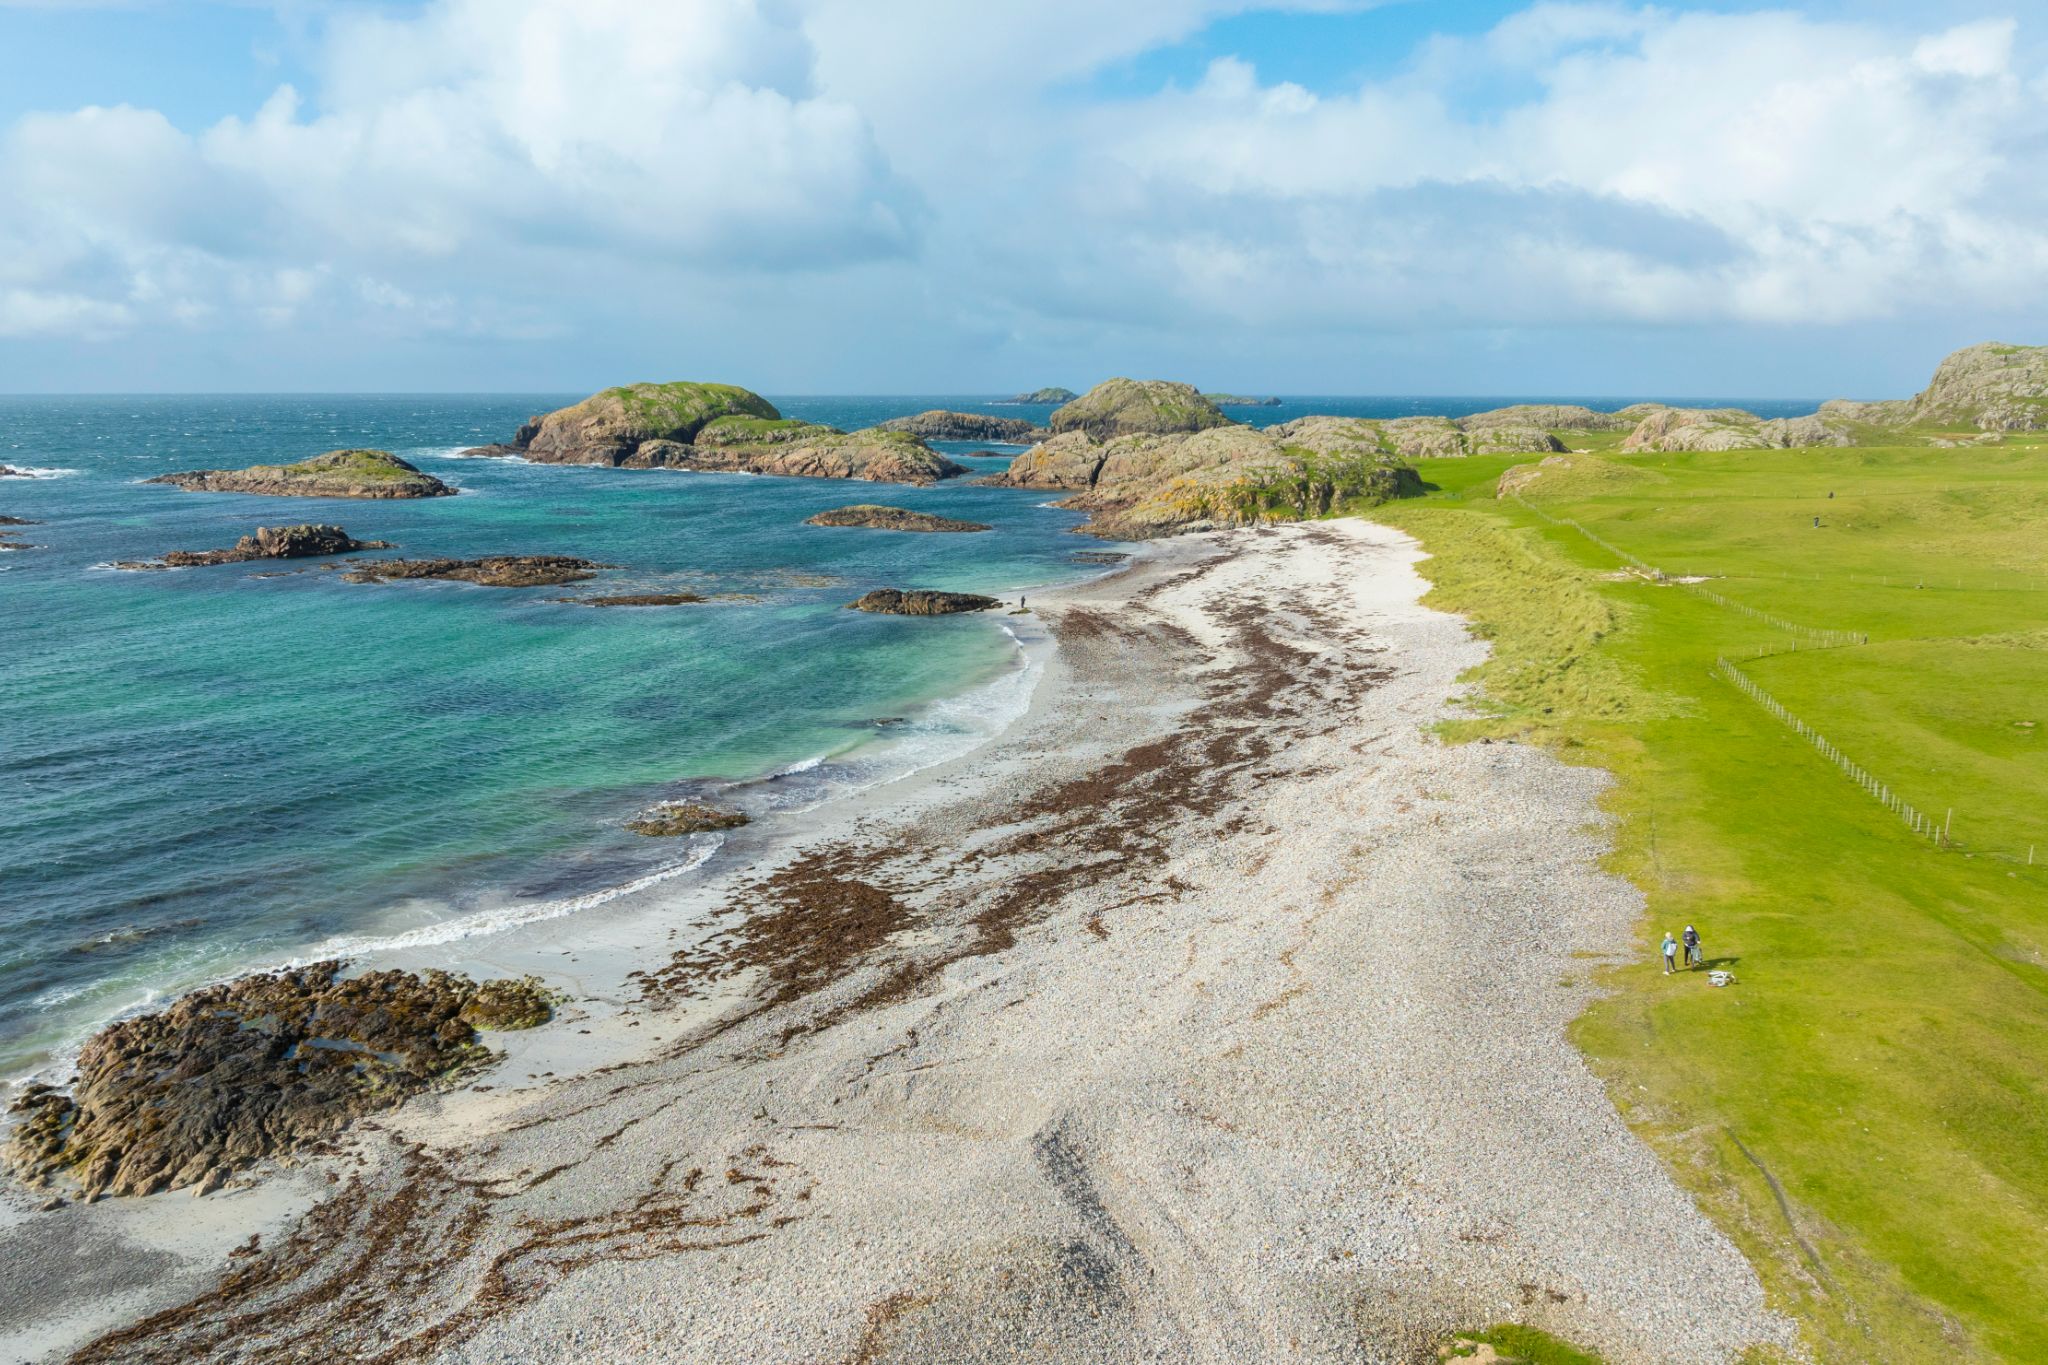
<point>552,168</point>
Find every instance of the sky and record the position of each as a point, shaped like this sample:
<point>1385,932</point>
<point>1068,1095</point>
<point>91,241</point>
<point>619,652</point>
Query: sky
<point>1435,197</point>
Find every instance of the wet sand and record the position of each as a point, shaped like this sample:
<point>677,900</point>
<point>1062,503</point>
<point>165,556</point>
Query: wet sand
<point>1213,1012</point>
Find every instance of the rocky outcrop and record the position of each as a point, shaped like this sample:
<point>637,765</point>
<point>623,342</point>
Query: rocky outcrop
<point>10,539</point>
<point>492,571</point>
<point>270,542</point>
<point>8,471</point>
<point>606,427</point>
<point>940,425</point>
<point>878,518</point>
<point>335,474</point>
<point>685,817</point>
<point>1992,387</point>
<point>1412,438</point>
<point>921,602</point>
<point>717,428</point>
<point>1238,400</point>
<point>1136,487</point>
<point>1708,429</point>
<point>1548,417</point>
<point>1137,407</point>
<point>254,1068</point>
<point>1052,395</point>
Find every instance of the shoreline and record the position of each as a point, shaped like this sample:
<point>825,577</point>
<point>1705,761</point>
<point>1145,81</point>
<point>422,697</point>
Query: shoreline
<point>1105,1034</point>
<point>413,945</point>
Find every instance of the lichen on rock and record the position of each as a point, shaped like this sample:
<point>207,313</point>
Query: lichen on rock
<point>921,602</point>
<point>1137,407</point>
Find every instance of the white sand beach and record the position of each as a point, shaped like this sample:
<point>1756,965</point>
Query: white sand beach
<point>1216,1011</point>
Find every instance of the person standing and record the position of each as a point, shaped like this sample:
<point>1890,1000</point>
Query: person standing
<point>1693,957</point>
<point>1670,953</point>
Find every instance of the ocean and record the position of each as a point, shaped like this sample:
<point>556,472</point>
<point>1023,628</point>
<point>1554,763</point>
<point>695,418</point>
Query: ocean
<point>211,769</point>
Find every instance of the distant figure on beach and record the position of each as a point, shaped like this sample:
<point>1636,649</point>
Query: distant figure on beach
<point>1020,601</point>
<point>1693,956</point>
<point>1670,953</point>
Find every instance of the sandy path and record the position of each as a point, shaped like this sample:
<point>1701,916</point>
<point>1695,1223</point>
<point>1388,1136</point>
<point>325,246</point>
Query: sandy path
<point>1215,1013</point>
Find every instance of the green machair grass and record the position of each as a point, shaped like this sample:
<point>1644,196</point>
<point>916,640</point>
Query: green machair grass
<point>1865,1111</point>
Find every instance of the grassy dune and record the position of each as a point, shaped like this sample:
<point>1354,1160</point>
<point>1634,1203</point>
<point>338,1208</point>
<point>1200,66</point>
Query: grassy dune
<point>1866,1111</point>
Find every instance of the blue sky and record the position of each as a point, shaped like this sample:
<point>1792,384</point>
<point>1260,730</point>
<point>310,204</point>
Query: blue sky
<point>1334,196</point>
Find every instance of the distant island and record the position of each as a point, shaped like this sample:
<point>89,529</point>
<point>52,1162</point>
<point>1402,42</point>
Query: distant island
<point>1238,400</point>
<point>1042,396</point>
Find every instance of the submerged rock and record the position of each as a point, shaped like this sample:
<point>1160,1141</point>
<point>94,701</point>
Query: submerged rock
<point>876,517</point>
<point>1132,407</point>
<point>336,474</point>
<point>922,602</point>
<point>717,428</point>
<point>270,542</point>
<point>8,471</point>
<point>685,817</point>
<point>638,599</point>
<point>253,1068</point>
<point>938,424</point>
<point>492,571</point>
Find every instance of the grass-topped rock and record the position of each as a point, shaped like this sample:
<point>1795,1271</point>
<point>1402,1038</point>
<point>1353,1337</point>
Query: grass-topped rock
<point>875,517</point>
<point>717,428</point>
<point>1138,407</point>
<point>1053,394</point>
<point>921,602</point>
<point>607,426</point>
<point>253,1068</point>
<point>336,474</point>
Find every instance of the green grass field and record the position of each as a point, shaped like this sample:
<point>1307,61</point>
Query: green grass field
<point>1866,1110</point>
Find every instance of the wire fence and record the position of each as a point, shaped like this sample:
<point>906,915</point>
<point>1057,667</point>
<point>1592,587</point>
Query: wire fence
<point>1940,832</point>
<point>1915,819</point>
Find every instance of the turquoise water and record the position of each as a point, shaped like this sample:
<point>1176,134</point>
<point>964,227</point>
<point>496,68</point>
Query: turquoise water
<point>206,769</point>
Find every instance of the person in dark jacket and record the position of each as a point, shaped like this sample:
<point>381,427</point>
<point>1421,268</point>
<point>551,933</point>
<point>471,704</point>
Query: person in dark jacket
<point>1693,956</point>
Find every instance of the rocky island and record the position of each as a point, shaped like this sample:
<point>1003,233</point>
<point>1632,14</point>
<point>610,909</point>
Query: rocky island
<point>1036,396</point>
<point>875,517</point>
<point>921,602</point>
<point>251,1068</point>
<point>491,571</point>
<point>941,425</point>
<point>1238,400</point>
<point>717,428</point>
<point>270,542</point>
<point>335,474</point>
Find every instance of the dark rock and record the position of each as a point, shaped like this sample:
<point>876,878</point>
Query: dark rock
<point>269,542</point>
<point>879,518</point>
<point>253,1068</point>
<point>336,474</point>
<point>637,599</point>
<point>492,571</point>
<point>1238,400</point>
<point>921,602</point>
<point>688,817</point>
